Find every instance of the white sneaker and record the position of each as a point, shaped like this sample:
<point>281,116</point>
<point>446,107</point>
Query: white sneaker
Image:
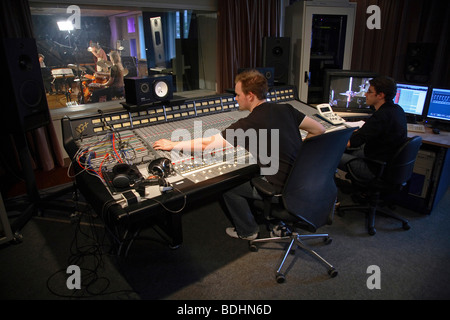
<point>278,231</point>
<point>232,233</point>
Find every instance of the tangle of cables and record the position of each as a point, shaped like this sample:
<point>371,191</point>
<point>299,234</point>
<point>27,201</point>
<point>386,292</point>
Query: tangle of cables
<point>106,151</point>
<point>87,250</point>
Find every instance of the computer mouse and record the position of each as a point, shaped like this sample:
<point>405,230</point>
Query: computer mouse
<point>436,131</point>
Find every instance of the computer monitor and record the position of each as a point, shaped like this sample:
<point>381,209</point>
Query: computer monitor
<point>345,90</point>
<point>439,105</point>
<point>411,98</point>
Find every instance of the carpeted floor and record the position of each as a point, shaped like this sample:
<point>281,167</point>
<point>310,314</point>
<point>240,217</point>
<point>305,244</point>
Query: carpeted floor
<point>413,265</point>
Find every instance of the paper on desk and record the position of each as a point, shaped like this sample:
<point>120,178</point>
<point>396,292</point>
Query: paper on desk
<point>355,123</point>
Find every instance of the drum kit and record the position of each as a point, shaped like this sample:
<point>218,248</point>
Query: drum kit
<point>90,82</point>
<point>87,83</point>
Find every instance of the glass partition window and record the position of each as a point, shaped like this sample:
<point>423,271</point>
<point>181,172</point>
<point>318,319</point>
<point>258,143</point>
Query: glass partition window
<point>77,62</point>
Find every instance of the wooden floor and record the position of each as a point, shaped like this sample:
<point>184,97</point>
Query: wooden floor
<point>60,95</point>
<point>56,101</point>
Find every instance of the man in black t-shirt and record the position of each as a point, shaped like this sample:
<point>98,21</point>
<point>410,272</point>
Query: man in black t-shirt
<point>276,128</point>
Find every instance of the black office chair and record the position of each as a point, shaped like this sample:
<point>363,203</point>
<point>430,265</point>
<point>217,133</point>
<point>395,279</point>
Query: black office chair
<point>308,198</point>
<point>390,178</point>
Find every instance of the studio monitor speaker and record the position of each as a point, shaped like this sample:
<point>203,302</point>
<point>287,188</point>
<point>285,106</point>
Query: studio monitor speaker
<point>143,90</point>
<point>158,41</point>
<point>276,52</point>
<point>24,105</point>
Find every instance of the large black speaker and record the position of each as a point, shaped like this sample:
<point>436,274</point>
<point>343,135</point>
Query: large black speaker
<point>24,104</point>
<point>143,90</point>
<point>419,61</point>
<point>276,52</point>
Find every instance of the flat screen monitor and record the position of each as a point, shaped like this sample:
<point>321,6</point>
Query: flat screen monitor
<point>411,98</point>
<point>439,105</point>
<point>345,90</point>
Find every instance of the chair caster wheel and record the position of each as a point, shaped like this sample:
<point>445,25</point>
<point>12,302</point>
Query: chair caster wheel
<point>328,240</point>
<point>332,272</point>
<point>372,231</point>
<point>406,226</point>
<point>253,248</point>
<point>280,278</point>
<point>18,238</point>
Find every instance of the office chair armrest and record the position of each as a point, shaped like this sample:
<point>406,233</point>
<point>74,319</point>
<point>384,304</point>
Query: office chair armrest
<point>264,187</point>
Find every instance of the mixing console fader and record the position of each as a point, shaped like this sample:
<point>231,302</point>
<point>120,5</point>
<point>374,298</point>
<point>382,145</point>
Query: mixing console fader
<point>198,166</point>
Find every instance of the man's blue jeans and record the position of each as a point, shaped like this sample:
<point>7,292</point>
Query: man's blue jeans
<point>359,167</point>
<point>236,200</point>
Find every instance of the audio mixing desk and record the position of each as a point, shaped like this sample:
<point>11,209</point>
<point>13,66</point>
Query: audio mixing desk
<point>99,144</point>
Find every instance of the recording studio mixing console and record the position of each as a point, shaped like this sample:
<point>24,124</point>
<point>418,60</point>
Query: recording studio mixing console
<point>98,143</point>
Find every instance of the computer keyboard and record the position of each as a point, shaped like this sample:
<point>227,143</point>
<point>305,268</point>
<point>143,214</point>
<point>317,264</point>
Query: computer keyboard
<point>414,127</point>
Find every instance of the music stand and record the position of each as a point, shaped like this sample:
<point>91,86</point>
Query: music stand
<point>65,74</point>
<point>80,72</point>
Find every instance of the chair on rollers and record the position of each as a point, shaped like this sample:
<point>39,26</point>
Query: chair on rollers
<point>308,198</point>
<point>391,178</point>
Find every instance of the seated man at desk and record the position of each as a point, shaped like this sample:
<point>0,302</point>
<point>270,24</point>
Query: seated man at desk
<point>381,134</point>
<point>251,89</point>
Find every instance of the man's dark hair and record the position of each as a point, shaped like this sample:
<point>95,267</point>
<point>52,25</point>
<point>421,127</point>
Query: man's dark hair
<point>385,85</point>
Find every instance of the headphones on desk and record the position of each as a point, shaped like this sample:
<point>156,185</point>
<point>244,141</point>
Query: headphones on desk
<point>124,175</point>
<point>161,167</point>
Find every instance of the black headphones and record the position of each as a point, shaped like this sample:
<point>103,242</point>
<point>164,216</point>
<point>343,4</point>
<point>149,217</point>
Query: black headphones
<point>124,175</point>
<point>161,167</point>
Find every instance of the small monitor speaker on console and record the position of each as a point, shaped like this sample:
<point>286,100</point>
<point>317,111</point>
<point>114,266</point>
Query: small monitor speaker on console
<point>144,90</point>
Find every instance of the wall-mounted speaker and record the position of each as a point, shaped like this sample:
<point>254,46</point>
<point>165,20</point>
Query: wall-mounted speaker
<point>24,105</point>
<point>158,42</point>
<point>143,90</point>
<point>276,52</point>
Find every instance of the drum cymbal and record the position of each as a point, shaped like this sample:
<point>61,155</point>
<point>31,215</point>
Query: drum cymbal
<point>75,67</point>
<point>104,64</point>
<point>125,72</point>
